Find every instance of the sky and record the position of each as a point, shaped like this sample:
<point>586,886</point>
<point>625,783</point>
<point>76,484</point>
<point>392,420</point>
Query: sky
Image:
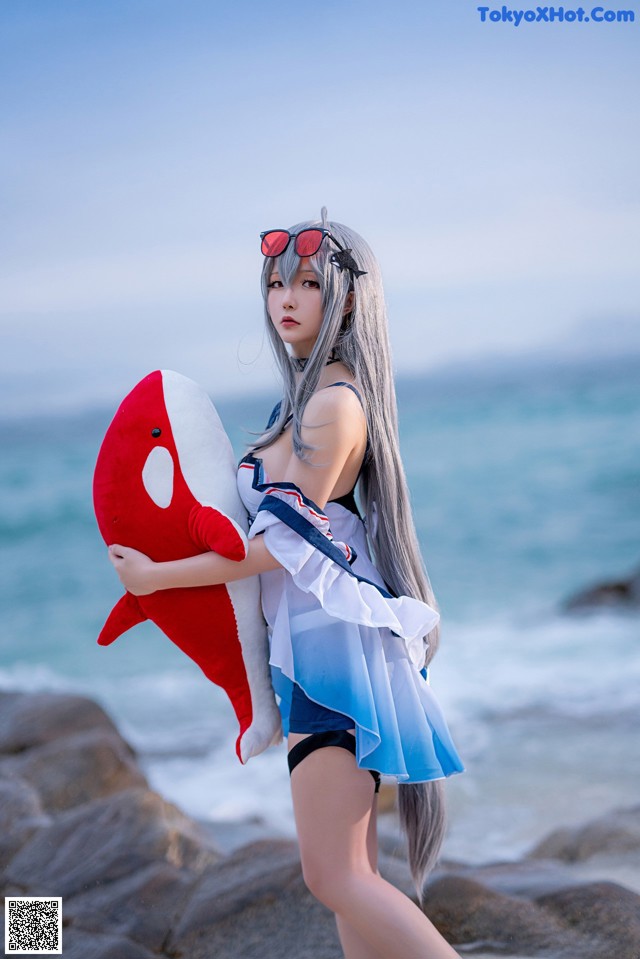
<point>145,144</point>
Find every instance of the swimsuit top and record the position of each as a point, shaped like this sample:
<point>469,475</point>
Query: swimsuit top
<point>250,461</point>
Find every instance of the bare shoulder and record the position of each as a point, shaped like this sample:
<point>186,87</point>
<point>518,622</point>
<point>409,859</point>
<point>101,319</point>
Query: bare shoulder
<point>337,406</point>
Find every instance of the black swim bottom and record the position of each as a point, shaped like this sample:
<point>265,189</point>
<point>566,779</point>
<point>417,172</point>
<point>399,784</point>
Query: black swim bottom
<point>331,737</point>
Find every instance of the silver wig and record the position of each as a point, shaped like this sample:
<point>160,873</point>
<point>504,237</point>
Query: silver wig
<point>360,340</point>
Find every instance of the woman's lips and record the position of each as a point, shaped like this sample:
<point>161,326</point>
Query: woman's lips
<point>289,321</point>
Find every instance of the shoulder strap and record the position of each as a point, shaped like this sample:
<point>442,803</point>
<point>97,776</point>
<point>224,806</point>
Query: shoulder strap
<point>274,415</point>
<point>351,387</point>
<point>276,410</point>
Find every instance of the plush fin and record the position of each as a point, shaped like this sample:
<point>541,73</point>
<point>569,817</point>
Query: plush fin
<point>213,530</point>
<point>126,613</point>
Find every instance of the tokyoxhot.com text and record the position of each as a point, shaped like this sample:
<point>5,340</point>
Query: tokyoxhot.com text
<point>555,15</point>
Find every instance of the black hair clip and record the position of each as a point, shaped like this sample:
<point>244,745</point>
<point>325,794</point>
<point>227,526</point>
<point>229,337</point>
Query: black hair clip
<point>344,261</point>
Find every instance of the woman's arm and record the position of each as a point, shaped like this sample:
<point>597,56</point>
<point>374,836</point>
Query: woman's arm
<point>141,575</point>
<point>333,422</point>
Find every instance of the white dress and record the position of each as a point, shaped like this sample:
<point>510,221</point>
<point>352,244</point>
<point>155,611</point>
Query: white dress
<point>336,630</point>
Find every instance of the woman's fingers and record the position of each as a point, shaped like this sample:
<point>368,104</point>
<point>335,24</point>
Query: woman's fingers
<point>125,553</point>
<point>134,568</point>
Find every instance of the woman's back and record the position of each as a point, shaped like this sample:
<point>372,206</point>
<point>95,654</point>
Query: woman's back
<point>346,499</point>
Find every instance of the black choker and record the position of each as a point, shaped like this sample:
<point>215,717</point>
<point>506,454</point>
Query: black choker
<point>299,362</point>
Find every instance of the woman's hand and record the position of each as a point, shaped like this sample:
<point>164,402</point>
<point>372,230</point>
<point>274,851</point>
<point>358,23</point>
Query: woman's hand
<point>135,569</point>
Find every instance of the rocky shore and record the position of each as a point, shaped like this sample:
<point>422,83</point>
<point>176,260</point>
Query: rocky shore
<point>140,879</point>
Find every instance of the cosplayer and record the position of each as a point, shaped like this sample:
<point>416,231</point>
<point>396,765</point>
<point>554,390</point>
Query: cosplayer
<point>352,619</point>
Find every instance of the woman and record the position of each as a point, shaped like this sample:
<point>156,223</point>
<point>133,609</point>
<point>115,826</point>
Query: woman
<point>349,638</point>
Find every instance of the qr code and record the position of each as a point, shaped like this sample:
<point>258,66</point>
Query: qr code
<point>33,924</point>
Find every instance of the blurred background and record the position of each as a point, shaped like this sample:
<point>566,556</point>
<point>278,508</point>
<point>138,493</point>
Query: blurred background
<point>492,168</point>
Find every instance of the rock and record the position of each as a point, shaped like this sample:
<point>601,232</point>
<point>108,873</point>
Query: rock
<point>21,814</point>
<point>601,910</point>
<point>255,905</point>
<point>467,913</point>
<point>139,879</point>
<point>535,907</point>
<point>525,879</point>
<point>617,832</point>
<point>230,836</point>
<point>624,593</point>
<point>76,769</point>
<point>32,719</point>
<point>77,944</point>
<point>141,907</point>
<point>105,840</point>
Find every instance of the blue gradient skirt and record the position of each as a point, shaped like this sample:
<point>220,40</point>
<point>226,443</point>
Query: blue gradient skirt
<point>351,646</point>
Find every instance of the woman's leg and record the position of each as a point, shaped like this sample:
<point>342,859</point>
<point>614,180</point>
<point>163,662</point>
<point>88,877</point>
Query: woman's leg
<point>353,945</point>
<point>332,800</point>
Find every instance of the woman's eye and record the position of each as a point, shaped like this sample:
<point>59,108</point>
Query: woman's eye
<point>274,285</point>
<point>312,284</point>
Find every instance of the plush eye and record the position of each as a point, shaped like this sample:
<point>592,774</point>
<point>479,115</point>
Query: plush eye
<point>156,432</point>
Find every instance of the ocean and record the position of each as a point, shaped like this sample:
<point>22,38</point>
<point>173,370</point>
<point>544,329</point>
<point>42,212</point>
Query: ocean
<point>525,483</point>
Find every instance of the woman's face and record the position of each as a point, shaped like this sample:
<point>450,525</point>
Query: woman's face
<point>296,310</point>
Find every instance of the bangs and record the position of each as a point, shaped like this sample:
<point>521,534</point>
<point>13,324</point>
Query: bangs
<point>288,263</point>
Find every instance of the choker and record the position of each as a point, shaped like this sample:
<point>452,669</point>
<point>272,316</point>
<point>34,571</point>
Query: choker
<point>299,362</point>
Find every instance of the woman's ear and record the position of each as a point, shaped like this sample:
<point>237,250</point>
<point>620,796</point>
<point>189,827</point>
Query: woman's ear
<point>349,302</point>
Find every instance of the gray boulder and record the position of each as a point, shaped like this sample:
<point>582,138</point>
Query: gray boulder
<point>140,879</point>
<point>77,944</point>
<point>469,914</point>
<point>524,879</point>
<point>142,907</point>
<point>105,840</point>
<point>75,769</point>
<point>615,833</point>
<point>540,906</point>
<point>604,912</point>
<point>32,719</point>
<point>254,905</point>
<point>21,815</point>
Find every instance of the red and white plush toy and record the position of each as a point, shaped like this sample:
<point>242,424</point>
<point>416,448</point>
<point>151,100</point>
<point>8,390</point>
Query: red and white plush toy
<point>165,484</point>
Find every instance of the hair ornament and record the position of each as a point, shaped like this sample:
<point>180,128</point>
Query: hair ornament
<point>344,261</point>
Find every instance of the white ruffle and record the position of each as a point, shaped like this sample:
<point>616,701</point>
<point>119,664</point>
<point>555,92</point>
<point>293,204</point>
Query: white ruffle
<point>335,630</point>
<point>341,593</point>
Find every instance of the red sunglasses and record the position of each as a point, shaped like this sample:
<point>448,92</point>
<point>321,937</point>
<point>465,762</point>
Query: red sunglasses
<point>308,242</point>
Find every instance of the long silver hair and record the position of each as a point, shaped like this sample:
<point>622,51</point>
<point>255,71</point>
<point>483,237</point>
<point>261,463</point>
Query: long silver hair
<point>360,339</point>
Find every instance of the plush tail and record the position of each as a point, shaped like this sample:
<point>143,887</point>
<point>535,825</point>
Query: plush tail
<point>265,731</point>
<point>126,613</point>
<point>422,817</point>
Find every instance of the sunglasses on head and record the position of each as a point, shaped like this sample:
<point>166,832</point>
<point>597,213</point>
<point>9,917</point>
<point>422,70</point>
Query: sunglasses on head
<point>307,243</point>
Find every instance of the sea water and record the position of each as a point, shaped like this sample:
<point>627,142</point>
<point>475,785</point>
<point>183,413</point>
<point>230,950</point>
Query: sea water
<point>525,485</point>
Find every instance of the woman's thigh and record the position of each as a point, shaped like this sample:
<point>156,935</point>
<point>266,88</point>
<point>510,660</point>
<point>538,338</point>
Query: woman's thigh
<point>334,804</point>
